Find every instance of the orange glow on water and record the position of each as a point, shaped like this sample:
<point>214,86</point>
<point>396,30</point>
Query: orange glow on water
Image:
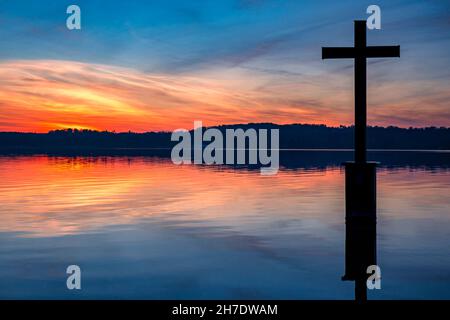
<point>45,196</point>
<point>53,196</point>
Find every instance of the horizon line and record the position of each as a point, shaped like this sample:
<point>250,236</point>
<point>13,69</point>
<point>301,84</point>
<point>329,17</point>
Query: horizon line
<point>225,125</point>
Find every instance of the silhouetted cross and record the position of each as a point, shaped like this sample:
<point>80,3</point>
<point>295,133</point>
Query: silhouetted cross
<point>360,52</point>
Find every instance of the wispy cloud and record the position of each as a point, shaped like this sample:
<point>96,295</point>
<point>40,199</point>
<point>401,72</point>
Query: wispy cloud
<point>44,95</point>
<point>50,94</point>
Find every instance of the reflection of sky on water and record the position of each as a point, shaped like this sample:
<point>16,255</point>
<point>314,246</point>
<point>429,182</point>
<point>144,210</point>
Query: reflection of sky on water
<point>144,228</point>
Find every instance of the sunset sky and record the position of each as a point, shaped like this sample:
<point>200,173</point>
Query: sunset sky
<point>161,65</point>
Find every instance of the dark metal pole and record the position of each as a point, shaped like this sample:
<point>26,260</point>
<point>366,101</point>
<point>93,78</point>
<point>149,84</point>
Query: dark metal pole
<point>360,93</point>
<point>360,290</point>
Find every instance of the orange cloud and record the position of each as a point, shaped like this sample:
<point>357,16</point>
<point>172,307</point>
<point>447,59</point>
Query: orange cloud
<point>42,95</point>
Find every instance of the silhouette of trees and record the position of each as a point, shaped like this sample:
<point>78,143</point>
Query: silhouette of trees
<point>295,136</point>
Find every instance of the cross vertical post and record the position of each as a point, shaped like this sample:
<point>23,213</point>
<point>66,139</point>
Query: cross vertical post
<point>360,93</point>
<point>360,175</point>
<point>360,52</point>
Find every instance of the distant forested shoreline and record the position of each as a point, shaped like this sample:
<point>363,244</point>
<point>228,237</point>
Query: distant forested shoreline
<point>294,136</point>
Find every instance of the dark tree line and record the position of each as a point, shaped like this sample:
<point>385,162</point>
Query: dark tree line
<point>291,136</point>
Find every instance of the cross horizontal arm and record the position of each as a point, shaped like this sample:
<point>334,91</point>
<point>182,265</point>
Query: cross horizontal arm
<point>364,52</point>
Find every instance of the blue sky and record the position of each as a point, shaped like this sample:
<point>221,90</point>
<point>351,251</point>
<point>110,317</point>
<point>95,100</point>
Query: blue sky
<point>278,42</point>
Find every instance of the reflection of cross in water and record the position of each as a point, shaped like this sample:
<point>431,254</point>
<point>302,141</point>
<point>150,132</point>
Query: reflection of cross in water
<point>360,176</point>
<point>360,52</point>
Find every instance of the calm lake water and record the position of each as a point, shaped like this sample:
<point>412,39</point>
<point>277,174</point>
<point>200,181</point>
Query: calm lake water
<point>141,227</point>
